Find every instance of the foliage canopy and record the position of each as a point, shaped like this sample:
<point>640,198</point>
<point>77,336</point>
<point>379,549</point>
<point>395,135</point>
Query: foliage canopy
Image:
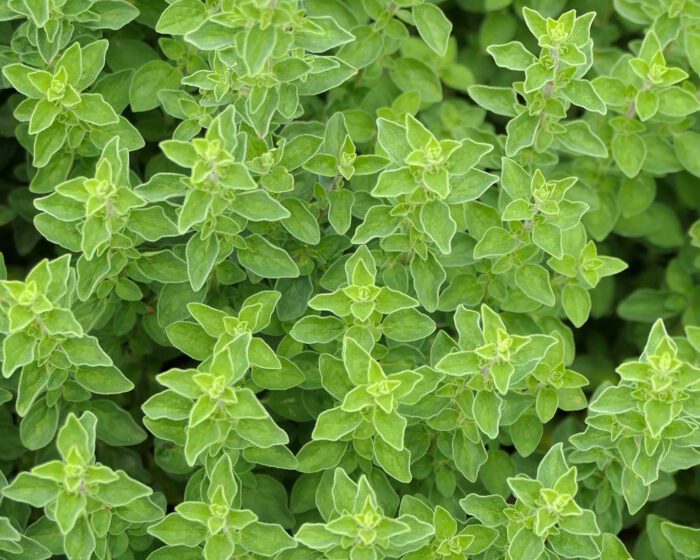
<point>350,279</point>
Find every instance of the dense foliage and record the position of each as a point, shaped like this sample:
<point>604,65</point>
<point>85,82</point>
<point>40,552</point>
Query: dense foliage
<point>350,279</point>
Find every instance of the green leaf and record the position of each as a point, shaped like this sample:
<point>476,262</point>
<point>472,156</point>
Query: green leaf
<point>525,545</point>
<point>258,46</point>
<point>495,242</point>
<point>433,26</point>
<point>191,339</point>
<point>513,55</point>
<point>526,433</point>
<point>180,17</point>
<point>340,210</point>
<point>148,80</point>
<point>552,466</point>
<point>266,260</point>
<point>395,183</point>
<point>546,404</point>
<point>580,139</point>
<point>103,380</point>
<point>18,350</point>
<point>534,281</point>
<point>95,110</point>
<point>202,255</point>
<point>316,329</point>
<point>258,206</point>
<point>498,100</point>
<point>316,456</point>
<point>548,237</point>
<point>265,539</point>
<point>487,412</point>
<point>39,426</point>
<point>176,530</point>
<point>438,224</point>
<point>379,222</point>
<point>613,548</point>
<point>48,142</point>
<point>300,222</point>
<point>577,303</point>
<point>327,73</point>
<point>194,210</point>
<point>410,74</point>
<point>335,423</point>
<point>629,153</point>
<point>583,94</point>
<point>29,488</point>
<point>521,133</point>
<point>685,540</point>
<point>85,351</point>
<point>390,427</point>
<point>428,276</point>
<point>684,146</point>
<point>407,325</point>
<point>116,426</point>
<point>488,509</point>
<point>79,543</point>
<point>68,507</point>
<point>396,464</point>
<point>634,491</point>
<point>122,491</point>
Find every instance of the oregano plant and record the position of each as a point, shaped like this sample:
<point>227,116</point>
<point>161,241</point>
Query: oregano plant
<point>349,279</point>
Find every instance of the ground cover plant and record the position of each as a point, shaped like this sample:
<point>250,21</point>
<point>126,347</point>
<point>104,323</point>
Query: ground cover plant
<point>349,279</point>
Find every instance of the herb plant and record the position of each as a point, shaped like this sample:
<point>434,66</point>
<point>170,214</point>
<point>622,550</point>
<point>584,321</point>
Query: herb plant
<point>349,279</point>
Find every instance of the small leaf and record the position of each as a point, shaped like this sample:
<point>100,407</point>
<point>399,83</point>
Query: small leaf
<point>433,26</point>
